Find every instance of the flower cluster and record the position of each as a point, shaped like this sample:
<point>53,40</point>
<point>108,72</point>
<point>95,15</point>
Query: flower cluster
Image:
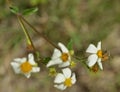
<point>62,58</point>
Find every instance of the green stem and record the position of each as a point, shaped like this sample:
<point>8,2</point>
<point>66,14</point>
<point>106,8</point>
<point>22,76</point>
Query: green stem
<point>40,33</point>
<point>29,41</point>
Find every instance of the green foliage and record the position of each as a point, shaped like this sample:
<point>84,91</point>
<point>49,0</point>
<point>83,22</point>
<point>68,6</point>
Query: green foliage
<point>46,60</point>
<point>70,45</point>
<point>14,9</point>
<point>29,11</point>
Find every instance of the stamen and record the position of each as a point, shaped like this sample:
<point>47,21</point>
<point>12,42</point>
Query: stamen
<point>26,67</point>
<point>68,82</point>
<point>99,53</point>
<point>64,57</point>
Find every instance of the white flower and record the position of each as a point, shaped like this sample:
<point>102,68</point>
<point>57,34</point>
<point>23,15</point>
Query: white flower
<point>96,55</point>
<point>61,58</point>
<point>25,66</point>
<point>65,79</point>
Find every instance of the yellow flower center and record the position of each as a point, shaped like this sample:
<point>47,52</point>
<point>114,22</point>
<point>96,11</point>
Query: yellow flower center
<point>99,53</point>
<point>68,82</point>
<point>26,67</point>
<point>64,57</point>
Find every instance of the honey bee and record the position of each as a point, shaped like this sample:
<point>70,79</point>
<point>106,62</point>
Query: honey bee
<point>105,55</point>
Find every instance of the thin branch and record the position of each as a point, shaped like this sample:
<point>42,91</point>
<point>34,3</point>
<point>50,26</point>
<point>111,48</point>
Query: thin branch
<point>29,41</point>
<point>43,36</point>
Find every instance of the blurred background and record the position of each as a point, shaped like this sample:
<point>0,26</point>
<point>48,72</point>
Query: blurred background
<point>83,21</point>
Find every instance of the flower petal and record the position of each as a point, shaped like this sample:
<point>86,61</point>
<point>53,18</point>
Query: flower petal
<point>54,62</point>
<point>17,60</point>
<point>35,69</point>
<point>56,54</point>
<point>66,72</point>
<point>15,67</point>
<point>92,59</point>
<point>91,49</point>
<point>99,46</point>
<point>28,75</point>
<point>20,60</point>
<point>31,59</point>
<point>100,63</point>
<point>61,86</point>
<point>63,48</point>
<point>64,64</point>
<point>73,78</point>
<point>59,78</point>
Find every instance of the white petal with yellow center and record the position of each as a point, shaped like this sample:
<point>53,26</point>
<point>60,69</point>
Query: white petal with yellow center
<point>35,69</point>
<point>68,82</point>
<point>100,63</point>
<point>92,59</point>
<point>56,54</point>
<point>15,67</point>
<point>99,46</point>
<point>26,67</point>
<point>63,48</point>
<point>27,75</point>
<point>73,78</point>
<point>64,64</point>
<point>31,59</point>
<point>21,65</point>
<point>66,72</point>
<point>20,60</point>
<point>60,86</point>
<point>54,62</point>
<point>64,79</point>
<point>91,49</point>
<point>60,58</point>
<point>59,78</point>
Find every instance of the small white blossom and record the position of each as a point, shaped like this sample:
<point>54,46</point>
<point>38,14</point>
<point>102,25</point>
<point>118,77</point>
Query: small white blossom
<point>96,55</point>
<point>25,66</point>
<point>61,58</point>
<point>65,79</point>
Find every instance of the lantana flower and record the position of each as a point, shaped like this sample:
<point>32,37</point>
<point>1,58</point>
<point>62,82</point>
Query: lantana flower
<point>25,65</point>
<point>65,79</point>
<point>62,58</point>
<point>96,55</point>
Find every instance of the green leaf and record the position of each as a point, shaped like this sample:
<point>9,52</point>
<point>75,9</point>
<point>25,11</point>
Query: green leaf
<point>37,56</point>
<point>70,45</point>
<point>46,60</point>
<point>30,11</point>
<point>14,9</point>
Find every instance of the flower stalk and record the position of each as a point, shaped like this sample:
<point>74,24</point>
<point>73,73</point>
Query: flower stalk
<point>29,41</point>
<point>34,29</point>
